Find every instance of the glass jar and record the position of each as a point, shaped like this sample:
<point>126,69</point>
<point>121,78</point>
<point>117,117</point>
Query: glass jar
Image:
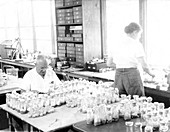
<point>127,115</point>
<point>148,129</point>
<point>138,127</point>
<point>129,126</point>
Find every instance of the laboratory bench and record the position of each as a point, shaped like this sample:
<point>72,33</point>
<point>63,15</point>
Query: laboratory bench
<point>62,117</point>
<point>159,95</point>
<point>22,66</point>
<point>12,84</point>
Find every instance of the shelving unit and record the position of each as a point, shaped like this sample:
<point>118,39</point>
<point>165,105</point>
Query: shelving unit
<point>78,29</point>
<point>70,31</point>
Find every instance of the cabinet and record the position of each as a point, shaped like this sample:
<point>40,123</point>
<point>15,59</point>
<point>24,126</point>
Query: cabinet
<point>78,29</point>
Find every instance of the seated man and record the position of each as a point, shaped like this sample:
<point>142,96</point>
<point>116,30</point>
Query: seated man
<point>41,78</point>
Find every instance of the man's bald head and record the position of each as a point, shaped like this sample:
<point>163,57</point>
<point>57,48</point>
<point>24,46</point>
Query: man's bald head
<point>41,65</point>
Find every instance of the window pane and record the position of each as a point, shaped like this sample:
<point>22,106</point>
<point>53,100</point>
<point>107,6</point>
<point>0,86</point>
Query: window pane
<point>158,29</point>
<point>119,13</point>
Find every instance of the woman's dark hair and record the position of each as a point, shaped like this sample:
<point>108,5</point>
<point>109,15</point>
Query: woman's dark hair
<point>132,27</point>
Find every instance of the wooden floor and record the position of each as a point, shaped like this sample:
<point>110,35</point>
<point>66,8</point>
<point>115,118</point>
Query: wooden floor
<point>5,130</point>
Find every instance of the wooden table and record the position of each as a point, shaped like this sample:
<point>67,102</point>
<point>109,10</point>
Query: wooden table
<point>12,84</point>
<point>65,118</point>
<point>22,66</point>
<point>111,127</point>
<point>15,63</point>
<point>158,95</point>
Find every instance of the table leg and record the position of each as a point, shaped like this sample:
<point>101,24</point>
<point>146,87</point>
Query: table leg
<point>31,128</point>
<point>9,122</point>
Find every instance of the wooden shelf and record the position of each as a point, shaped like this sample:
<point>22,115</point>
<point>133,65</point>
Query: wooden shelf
<point>70,24</point>
<point>69,41</point>
<point>65,7</point>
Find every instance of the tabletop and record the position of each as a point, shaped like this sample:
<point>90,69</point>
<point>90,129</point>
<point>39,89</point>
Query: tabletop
<point>14,62</point>
<point>65,117</point>
<point>110,127</point>
<point>13,83</point>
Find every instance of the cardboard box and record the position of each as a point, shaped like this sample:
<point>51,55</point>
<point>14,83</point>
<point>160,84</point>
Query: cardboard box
<point>61,22</point>
<point>61,35</point>
<point>61,47</point>
<point>71,52</point>
<point>69,21</point>
<point>69,10</point>
<point>60,18</point>
<point>95,67</point>
<point>77,8</point>
<point>77,13</point>
<point>61,55</point>
<point>78,20</point>
<point>68,39</point>
<point>61,44</point>
<point>79,57</point>
<point>70,3</point>
<point>78,31</point>
<point>61,38</point>
<point>79,53</point>
<point>71,55</point>
<point>71,48</point>
<point>61,31</point>
<point>61,51</point>
<point>78,39</point>
<point>68,14</point>
<point>77,35</point>
<point>79,2</point>
<point>59,3</point>
<point>71,59</point>
<point>79,60</point>
<point>61,15</point>
<point>79,45</point>
<point>69,18</point>
<point>61,28</point>
<point>79,49</point>
<point>60,11</point>
<point>79,64</point>
<point>77,16</point>
<point>70,44</point>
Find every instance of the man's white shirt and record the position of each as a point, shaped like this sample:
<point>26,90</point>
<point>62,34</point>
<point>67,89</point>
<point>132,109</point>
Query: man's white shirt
<point>33,81</point>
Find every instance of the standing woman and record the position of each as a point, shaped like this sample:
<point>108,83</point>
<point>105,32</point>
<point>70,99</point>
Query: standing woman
<point>126,56</point>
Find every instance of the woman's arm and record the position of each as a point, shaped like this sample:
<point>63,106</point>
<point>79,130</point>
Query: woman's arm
<point>110,63</point>
<point>145,66</point>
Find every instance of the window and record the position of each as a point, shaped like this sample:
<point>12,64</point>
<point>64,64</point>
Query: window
<point>32,21</point>
<point>158,30</point>
<point>119,13</point>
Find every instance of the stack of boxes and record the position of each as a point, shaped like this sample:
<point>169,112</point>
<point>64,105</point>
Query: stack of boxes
<point>70,15</point>
<point>61,3</point>
<point>79,55</point>
<point>69,31</point>
<point>77,13</point>
<point>62,51</point>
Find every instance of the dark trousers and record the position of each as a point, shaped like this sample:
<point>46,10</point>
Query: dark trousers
<point>129,82</point>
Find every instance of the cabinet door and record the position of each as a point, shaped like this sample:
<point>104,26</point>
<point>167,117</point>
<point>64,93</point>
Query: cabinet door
<point>91,29</point>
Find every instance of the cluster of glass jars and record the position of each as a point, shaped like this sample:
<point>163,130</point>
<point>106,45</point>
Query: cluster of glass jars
<point>3,78</point>
<point>35,104</point>
<point>127,108</point>
<point>70,92</point>
<point>156,115</point>
<point>82,93</point>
